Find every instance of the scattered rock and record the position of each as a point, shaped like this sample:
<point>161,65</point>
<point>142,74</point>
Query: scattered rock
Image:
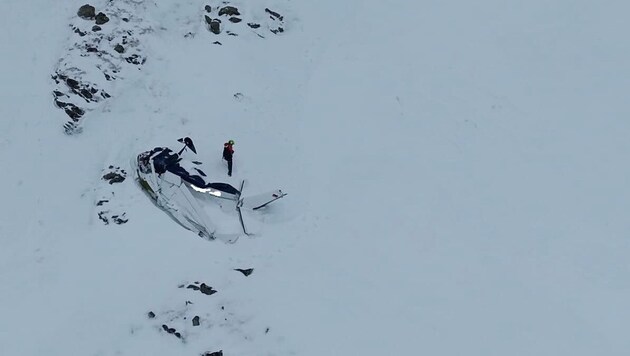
<point>203,288</point>
<point>195,321</point>
<point>86,12</point>
<point>229,11</point>
<point>96,28</point>
<point>119,48</point>
<point>101,18</point>
<point>245,272</point>
<point>151,315</point>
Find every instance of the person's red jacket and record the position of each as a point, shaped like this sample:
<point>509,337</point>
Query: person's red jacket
<point>228,151</point>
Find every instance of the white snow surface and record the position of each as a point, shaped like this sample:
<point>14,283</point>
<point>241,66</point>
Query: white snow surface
<point>457,175</point>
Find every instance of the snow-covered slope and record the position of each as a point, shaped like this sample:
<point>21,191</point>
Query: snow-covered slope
<point>456,176</point>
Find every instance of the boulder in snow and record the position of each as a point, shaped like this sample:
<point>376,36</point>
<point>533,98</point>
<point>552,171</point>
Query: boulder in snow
<point>87,12</point>
<point>101,18</point>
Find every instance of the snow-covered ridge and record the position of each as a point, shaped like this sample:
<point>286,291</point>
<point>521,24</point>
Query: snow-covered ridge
<point>106,46</point>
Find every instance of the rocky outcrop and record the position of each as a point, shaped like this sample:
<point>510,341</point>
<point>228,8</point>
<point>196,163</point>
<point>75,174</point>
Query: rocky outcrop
<point>108,208</point>
<point>228,19</point>
<point>104,47</point>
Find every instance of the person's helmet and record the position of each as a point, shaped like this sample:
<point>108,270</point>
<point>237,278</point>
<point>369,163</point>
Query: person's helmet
<point>231,142</point>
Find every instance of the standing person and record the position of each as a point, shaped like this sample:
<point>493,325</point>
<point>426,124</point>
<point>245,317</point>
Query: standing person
<point>228,151</point>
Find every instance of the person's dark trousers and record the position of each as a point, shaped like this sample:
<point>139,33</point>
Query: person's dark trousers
<point>229,161</point>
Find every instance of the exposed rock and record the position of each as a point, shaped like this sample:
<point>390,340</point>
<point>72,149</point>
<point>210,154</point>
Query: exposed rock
<point>113,177</point>
<point>73,111</point>
<point>96,28</point>
<point>86,12</point>
<point>235,20</point>
<point>274,14</point>
<point>101,18</point>
<point>125,19</point>
<point>72,83</point>
<point>86,94</point>
<point>217,43</point>
<point>253,25</point>
<point>216,353</point>
<point>205,289</point>
<point>101,215</point>
<point>119,48</point>
<point>101,202</point>
<point>208,8</point>
<point>245,272</point>
<point>215,26</point>
<point>135,59</point>
<point>79,32</point>
<point>119,220</point>
<point>278,30</point>
<point>229,11</point>
<point>151,315</point>
<point>195,321</point>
